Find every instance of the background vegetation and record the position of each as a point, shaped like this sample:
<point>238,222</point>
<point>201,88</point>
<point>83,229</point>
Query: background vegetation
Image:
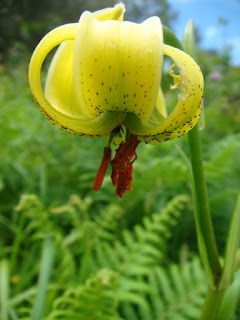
<point>103,257</point>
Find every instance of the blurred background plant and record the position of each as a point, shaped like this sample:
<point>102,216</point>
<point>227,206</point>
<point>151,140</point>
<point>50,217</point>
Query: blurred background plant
<point>94,243</point>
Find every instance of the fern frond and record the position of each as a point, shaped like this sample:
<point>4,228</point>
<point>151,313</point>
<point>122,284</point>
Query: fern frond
<point>223,157</point>
<point>94,300</point>
<point>104,226</point>
<point>223,169</point>
<point>138,252</point>
<point>174,294</point>
<point>183,299</point>
<point>108,222</point>
<point>132,263</point>
<point>39,222</point>
<point>146,245</point>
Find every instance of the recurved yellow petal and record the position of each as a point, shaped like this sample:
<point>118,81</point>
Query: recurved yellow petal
<point>118,65</point>
<point>115,13</point>
<point>78,125</point>
<point>161,104</point>
<point>187,111</point>
<point>59,87</point>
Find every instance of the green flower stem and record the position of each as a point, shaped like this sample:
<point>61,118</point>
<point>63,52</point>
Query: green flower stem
<point>205,231</point>
<point>212,303</point>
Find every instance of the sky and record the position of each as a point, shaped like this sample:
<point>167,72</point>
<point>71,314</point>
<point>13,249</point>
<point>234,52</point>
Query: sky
<point>205,14</point>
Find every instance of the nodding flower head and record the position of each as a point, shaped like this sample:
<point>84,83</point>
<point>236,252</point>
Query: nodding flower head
<point>105,81</point>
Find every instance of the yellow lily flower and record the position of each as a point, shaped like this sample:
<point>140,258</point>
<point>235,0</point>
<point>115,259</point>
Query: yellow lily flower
<point>104,80</point>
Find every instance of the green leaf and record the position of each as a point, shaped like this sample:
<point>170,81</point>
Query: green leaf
<point>230,300</point>
<point>171,39</point>
<point>231,248</point>
<point>189,39</point>
<point>45,271</point>
<point>4,289</point>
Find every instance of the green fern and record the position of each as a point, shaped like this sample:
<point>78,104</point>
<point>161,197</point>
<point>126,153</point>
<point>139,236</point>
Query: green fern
<point>143,247</point>
<point>37,220</point>
<point>139,251</point>
<point>176,294</point>
<point>130,260</point>
<point>87,232</point>
<point>94,300</point>
<point>222,169</point>
<point>108,222</point>
<point>222,164</point>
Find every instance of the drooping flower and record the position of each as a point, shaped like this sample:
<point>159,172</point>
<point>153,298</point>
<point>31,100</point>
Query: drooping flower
<point>105,81</point>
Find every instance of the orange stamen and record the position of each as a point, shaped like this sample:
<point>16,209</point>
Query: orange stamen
<point>124,182</point>
<point>97,183</point>
<point>122,165</point>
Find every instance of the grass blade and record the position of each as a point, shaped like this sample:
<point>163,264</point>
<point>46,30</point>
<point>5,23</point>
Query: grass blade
<point>4,289</point>
<point>45,270</point>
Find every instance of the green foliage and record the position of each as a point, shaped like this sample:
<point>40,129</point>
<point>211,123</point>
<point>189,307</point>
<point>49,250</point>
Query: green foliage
<point>91,265</point>
<point>177,293</point>
<point>174,294</point>
<point>4,289</point>
<point>223,170</point>
<point>139,248</point>
<point>231,300</point>
<point>93,300</point>
<point>47,258</point>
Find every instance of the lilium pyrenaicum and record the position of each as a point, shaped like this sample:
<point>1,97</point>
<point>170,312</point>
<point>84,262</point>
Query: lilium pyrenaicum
<point>104,80</point>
